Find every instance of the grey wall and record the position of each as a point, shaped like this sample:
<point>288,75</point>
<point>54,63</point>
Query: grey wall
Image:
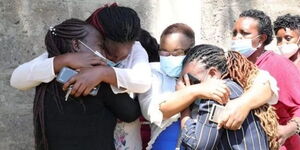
<point>24,23</point>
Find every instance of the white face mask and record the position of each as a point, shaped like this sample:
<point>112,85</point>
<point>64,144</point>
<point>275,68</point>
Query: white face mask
<point>288,50</point>
<point>244,46</point>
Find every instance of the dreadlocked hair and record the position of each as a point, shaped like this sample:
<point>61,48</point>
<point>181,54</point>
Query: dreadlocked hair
<point>58,41</point>
<point>117,23</point>
<point>244,72</point>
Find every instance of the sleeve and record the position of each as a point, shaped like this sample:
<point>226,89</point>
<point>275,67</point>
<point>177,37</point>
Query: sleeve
<point>151,100</point>
<point>264,77</point>
<point>292,83</point>
<point>137,78</point>
<point>33,73</point>
<point>121,105</point>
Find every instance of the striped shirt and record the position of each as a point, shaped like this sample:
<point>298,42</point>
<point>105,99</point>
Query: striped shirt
<point>201,134</point>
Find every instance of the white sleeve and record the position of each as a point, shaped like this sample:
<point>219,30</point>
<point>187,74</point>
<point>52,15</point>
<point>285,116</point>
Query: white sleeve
<point>150,104</point>
<point>263,77</point>
<point>151,100</point>
<point>137,78</point>
<point>33,73</point>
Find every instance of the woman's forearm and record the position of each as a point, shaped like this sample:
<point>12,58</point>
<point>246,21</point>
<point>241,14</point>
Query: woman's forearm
<point>258,95</point>
<point>178,101</point>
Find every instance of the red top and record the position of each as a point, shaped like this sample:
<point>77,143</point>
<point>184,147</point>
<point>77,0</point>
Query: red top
<point>288,81</point>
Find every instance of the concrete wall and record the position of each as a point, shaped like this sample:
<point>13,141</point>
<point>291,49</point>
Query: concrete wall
<point>24,23</point>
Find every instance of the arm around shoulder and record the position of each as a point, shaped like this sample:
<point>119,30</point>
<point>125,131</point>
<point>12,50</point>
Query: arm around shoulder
<point>33,73</point>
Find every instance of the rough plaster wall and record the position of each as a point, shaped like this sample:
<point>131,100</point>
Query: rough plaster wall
<point>24,23</point>
<point>218,16</point>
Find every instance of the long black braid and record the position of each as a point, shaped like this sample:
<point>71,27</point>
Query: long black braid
<point>58,41</point>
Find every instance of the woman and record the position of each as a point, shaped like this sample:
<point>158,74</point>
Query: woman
<point>161,105</point>
<point>119,28</point>
<point>287,31</point>
<point>251,32</point>
<point>204,62</point>
<point>175,38</point>
<point>80,123</point>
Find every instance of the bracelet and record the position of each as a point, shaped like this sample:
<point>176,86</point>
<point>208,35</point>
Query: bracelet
<point>298,125</point>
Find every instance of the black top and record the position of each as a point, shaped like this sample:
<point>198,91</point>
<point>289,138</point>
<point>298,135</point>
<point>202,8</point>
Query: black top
<point>87,123</point>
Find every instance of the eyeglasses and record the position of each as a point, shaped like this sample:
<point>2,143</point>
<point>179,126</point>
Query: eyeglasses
<point>177,52</point>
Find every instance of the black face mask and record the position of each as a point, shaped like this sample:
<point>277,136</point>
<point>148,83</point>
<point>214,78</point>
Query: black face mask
<point>193,80</point>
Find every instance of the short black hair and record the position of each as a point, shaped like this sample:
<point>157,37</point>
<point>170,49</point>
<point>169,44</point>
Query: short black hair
<point>180,28</point>
<point>150,44</point>
<point>264,23</point>
<point>287,21</point>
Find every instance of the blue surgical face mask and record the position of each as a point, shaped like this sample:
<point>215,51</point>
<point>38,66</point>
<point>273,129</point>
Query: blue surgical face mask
<point>171,65</point>
<point>244,46</point>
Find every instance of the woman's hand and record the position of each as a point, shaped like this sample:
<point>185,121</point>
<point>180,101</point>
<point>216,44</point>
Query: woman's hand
<point>182,82</point>
<point>85,80</point>
<point>235,114</point>
<point>83,60</point>
<point>286,131</point>
<point>185,115</point>
<point>282,134</point>
<point>77,61</point>
<point>214,89</point>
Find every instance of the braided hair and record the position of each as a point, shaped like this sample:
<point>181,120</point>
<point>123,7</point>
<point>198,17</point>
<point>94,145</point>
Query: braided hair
<point>211,56</point>
<point>58,41</point>
<point>117,23</point>
<point>235,66</point>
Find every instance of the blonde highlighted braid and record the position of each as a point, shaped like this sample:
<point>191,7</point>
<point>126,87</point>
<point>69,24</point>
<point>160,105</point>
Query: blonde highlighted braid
<point>244,72</point>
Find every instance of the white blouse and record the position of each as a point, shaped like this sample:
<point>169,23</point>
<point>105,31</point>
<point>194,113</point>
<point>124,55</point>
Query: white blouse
<point>133,76</point>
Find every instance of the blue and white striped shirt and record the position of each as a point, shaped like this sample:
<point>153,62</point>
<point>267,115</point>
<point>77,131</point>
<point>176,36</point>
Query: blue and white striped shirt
<point>201,134</point>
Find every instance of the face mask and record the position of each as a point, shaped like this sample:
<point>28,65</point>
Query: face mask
<point>171,65</point>
<point>108,62</point>
<point>288,50</point>
<point>244,46</point>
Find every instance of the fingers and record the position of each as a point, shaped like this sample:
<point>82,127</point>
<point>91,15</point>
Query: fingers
<point>68,83</point>
<point>236,125</point>
<point>223,94</point>
<point>79,90</point>
<point>87,91</point>
<point>281,141</point>
<point>186,80</point>
<point>217,98</point>
<point>179,84</point>
<point>229,123</point>
<point>223,120</point>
